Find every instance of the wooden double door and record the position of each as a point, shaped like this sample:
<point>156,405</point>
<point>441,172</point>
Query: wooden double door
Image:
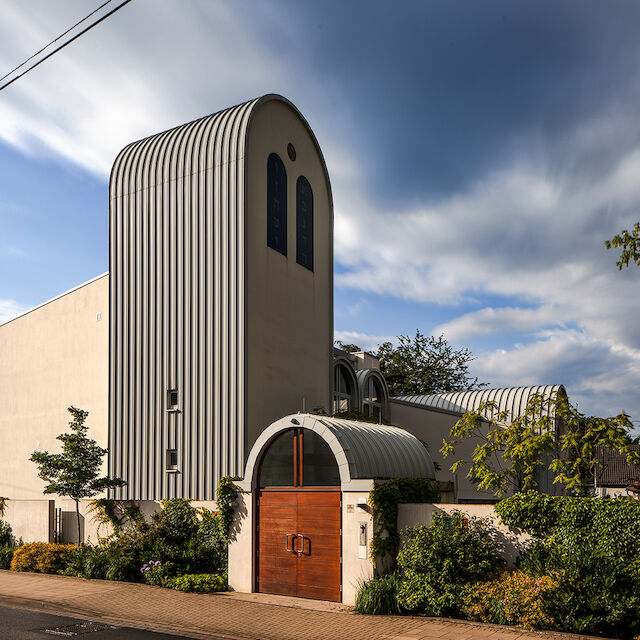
<point>299,543</point>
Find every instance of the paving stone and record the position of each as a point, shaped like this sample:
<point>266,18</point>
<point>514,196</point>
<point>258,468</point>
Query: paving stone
<point>233,616</point>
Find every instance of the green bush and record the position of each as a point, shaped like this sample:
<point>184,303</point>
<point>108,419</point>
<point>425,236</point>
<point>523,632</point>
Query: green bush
<point>438,561</point>
<point>6,537</point>
<point>514,598</point>
<point>379,596</point>
<point>6,554</point>
<point>593,546</point>
<point>157,573</point>
<point>199,583</point>
<point>86,562</point>
<point>40,557</point>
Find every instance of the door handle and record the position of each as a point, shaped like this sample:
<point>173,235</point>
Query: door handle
<point>300,551</point>
<point>290,549</point>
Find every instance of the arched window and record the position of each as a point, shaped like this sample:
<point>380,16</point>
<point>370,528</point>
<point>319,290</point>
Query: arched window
<point>304,223</point>
<point>276,204</point>
<point>342,390</point>
<point>299,458</point>
<point>373,398</point>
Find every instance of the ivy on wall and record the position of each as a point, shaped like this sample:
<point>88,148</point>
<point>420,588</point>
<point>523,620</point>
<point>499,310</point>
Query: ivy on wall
<point>384,499</point>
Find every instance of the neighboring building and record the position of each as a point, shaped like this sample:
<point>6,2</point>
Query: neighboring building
<point>614,476</point>
<point>52,356</point>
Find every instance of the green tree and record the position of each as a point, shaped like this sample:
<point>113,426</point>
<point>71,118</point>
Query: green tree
<point>508,456</point>
<point>75,471</point>
<point>349,348</point>
<point>578,445</point>
<point>425,364</point>
<point>629,243</point>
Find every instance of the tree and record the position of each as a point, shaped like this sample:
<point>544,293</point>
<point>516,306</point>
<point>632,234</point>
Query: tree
<point>579,442</point>
<point>425,364</point>
<point>509,455</point>
<point>74,472</point>
<point>630,245</point>
<point>349,348</point>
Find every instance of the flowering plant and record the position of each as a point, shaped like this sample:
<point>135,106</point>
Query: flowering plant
<point>148,566</point>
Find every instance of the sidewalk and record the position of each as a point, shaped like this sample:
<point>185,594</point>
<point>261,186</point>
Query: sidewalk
<point>232,616</point>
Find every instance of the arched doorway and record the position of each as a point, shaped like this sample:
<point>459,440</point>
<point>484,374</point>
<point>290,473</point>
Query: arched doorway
<point>298,530</point>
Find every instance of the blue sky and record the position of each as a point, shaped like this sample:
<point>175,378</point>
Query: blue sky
<point>480,153</point>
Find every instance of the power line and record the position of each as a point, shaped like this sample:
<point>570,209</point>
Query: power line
<point>64,44</point>
<point>6,75</point>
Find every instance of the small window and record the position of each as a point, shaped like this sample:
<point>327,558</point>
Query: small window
<point>276,204</point>
<point>304,223</point>
<point>172,399</point>
<point>172,459</point>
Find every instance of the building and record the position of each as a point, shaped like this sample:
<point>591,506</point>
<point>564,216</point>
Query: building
<point>207,351</point>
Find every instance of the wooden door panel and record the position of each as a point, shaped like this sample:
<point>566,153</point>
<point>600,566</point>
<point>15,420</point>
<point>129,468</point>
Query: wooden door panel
<point>277,516</point>
<point>319,569</point>
<point>312,514</point>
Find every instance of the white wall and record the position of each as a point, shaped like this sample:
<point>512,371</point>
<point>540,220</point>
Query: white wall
<point>413,515</point>
<point>31,520</point>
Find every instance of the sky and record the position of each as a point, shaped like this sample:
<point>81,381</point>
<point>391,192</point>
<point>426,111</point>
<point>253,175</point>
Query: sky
<point>479,152</point>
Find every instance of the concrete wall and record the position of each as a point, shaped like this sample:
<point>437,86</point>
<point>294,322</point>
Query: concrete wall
<point>52,357</point>
<point>511,544</point>
<point>31,520</point>
<point>431,427</point>
<point>289,308</point>
<point>356,562</point>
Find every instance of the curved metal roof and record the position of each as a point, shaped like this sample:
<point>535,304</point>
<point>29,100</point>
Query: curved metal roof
<point>511,399</point>
<point>363,451</point>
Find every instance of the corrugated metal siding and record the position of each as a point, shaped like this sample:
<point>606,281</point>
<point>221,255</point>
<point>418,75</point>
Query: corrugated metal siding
<point>513,399</point>
<point>177,307</point>
<point>380,451</point>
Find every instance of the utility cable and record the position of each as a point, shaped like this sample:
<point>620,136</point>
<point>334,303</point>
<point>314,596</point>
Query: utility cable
<point>64,44</point>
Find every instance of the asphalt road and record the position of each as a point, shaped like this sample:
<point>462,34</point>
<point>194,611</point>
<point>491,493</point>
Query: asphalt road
<point>23,624</point>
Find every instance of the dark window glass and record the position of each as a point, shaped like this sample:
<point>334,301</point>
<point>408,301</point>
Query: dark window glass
<point>319,467</point>
<point>342,397</point>
<point>172,459</point>
<point>304,223</point>
<point>172,398</point>
<point>276,469</point>
<point>276,204</point>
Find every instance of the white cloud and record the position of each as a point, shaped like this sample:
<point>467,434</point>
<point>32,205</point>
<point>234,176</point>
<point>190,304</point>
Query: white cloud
<point>499,320</point>
<point>363,340</point>
<point>9,309</point>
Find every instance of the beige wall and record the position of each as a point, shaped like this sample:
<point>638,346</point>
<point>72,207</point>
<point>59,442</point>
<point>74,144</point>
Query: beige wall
<point>432,427</point>
<point>289,308</point>
<point>53,356</point>
<point>356,562</point>
<point>413,515</point>
<point>31,520</point>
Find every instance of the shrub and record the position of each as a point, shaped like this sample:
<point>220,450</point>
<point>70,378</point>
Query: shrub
<point>6,554</point>
<point>86,562</point>
<point>198,583</point>
<point>157,573</point>
<point>514,598</point>
<point>439,560</point>
<point>593,546</point>
<point>379,596</point>
<point>40,557</point>
<point>6,537</point>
